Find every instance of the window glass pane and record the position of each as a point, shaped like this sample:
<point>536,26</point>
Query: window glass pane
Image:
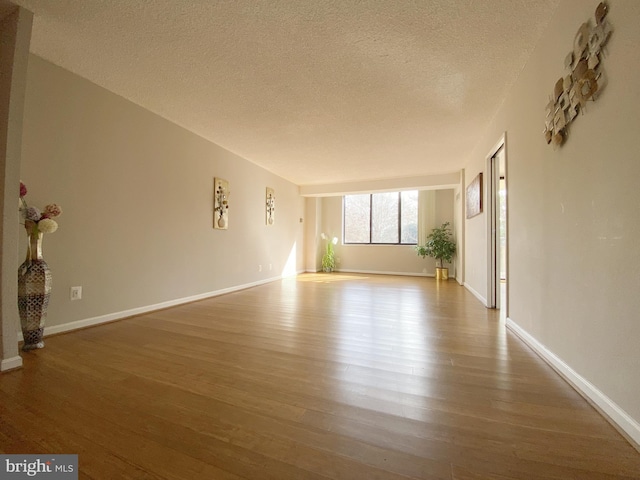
<point>384,217</point>
<point>409,220</point>
<point>377,218</point>
<point>356,218</point>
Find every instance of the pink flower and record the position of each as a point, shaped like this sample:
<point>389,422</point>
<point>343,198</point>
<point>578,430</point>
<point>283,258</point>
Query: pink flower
<point>35,220</point>
<point>52,210</point>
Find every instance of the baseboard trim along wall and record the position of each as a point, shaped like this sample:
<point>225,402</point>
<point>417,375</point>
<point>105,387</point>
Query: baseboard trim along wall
<point>90,322</point>
<point>626,425</point>
<point>11,363</point>
<point>475,294</point>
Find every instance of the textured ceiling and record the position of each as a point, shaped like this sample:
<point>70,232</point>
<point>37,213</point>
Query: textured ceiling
<point>6,8</point>
<point>317,92</point>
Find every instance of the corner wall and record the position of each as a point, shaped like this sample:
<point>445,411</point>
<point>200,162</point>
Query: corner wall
<point>15,37</point>
<point>137,197</point>
<point>313,254</point>
<point>574,215</point>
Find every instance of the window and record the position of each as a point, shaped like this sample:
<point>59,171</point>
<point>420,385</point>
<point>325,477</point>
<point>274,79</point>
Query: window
<point>381,218</point>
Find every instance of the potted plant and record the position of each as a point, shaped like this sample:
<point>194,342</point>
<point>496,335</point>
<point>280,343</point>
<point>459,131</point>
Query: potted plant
<point>328,259</point>
<point>439,245</point>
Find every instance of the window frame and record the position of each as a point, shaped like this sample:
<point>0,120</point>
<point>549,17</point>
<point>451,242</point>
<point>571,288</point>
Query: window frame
<point>370,242</point>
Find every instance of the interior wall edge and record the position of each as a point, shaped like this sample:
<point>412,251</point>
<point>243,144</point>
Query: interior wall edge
<point>112,317</point>
<point>475,293</point>
<point>12,363</point>
<point>619,419</point>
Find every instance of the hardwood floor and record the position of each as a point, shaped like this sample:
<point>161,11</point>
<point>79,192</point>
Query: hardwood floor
<point>323,376</point>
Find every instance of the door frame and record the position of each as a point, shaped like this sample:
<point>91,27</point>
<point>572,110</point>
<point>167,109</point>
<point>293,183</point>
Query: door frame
<point>493,247</point>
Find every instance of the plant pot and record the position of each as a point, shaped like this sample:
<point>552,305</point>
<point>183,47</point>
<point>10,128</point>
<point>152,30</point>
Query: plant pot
<point>442,273</point>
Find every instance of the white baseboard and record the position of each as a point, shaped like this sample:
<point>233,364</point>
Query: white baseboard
<point>607,407</point>
<point>10,363</point>
<point>476,294</point>
<point>90,322</point>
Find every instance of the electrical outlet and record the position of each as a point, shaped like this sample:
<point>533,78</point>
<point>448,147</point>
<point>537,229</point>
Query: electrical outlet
<point>337,260</point>
<point>270,266</point>
<point>259,268</point>
<point>75,293</point>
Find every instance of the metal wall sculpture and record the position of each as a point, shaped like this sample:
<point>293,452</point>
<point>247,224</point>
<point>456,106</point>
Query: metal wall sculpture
<point>584,77</point>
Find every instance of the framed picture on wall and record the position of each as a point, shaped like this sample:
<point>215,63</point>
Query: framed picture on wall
<point>271,206</point>
<point>474,197</point>
<point>220,204</point>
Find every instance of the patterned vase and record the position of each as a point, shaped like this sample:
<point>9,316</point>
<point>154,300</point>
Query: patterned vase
<point>34,289</point>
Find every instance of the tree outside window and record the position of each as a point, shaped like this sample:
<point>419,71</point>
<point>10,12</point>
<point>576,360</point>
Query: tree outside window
<point>381,218</point>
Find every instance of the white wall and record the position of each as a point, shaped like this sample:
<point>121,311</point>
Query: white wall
<point>390,259</point>
<point>475,255</point>
<point>137,198</point>
<point>574,211</point>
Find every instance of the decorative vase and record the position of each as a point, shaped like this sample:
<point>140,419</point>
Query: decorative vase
<point>34,289</point>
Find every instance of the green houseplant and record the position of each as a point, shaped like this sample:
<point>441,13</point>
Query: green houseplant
<point>329,259</point>
<point>439,245</point>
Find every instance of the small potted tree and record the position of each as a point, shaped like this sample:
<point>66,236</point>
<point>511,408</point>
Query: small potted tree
<point>439,245</point>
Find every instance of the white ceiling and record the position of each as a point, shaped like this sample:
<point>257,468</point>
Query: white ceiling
<point>316,91</point>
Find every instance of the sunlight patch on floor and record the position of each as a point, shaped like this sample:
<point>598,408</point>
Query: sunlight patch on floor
<point>322,277</point>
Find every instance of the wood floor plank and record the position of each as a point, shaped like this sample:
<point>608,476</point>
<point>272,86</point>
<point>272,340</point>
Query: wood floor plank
<point>321,376</point>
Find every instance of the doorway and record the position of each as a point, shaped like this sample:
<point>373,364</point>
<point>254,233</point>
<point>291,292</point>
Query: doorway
<point>498,231</point>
